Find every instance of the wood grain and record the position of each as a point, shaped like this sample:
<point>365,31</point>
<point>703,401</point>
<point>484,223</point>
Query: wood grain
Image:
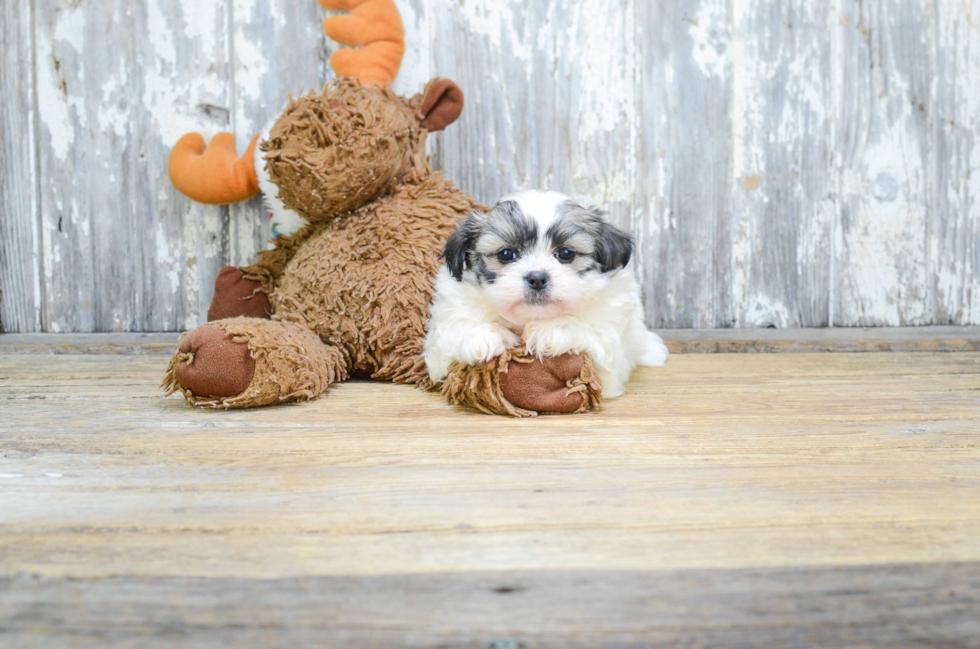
<point>783,171</point>
<point>20,286</point>
<point>824,499</point>
<point>781,163</point>
<point>955,219</point>
<point>121,251</point>
<point>903,605</point>
<point>685,167</point>
<point>885,152</point>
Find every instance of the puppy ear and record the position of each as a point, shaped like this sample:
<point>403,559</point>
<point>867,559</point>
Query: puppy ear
<point>613,247</point>
<point>459,245</point>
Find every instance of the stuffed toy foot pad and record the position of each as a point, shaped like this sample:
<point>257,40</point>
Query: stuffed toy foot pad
<point>543,385</point>
<point>211,364</point>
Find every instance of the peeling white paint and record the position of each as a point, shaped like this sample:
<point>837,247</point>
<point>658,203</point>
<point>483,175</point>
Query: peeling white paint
<point>416,68</point>
<point>169,96</point>
<point>166,259</point>
<point>606,93</point>
<point>113,113</point>
<point>55,96</point>
<point>885,244</point>
<point>202,20</point>
<point>763,312</point>
<point>190,274</point>
<point>710,31</point>
<point>495,20</point>
<point>251,66</point>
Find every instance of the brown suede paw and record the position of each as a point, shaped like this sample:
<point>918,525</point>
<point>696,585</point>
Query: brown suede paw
<point>211,364</point>
<point>520,385</point>
<point>235,295</point>
<point>542,385</point>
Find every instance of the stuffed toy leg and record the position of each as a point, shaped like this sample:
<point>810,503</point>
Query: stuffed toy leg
<point>241,362</point>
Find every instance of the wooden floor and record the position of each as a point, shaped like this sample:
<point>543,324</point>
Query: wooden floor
<point>727,500</point>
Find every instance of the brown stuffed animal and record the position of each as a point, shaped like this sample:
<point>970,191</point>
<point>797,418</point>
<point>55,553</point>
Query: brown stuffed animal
<point>348,293</point>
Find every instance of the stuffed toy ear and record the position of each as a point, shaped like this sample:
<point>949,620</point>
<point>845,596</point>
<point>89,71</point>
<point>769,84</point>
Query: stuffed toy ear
<point>442,104</point>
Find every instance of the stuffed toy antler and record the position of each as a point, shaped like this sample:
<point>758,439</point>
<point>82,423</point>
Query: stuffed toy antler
<point>215,175</point>
<point>373,26</point>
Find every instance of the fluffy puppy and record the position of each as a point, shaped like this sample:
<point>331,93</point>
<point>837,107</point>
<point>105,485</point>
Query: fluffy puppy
<point>541,270</point>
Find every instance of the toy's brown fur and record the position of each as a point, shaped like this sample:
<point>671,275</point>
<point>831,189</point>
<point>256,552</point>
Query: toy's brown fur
<point>334,151</point>
<point>363,282</point>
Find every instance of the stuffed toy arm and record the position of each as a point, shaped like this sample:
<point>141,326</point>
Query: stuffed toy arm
<point>521,385</point>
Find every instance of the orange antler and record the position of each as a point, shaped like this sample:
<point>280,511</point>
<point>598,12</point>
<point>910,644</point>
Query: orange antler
<point>214,175</point>
<point>375,28</point>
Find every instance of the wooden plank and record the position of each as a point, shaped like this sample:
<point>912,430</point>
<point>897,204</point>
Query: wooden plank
<point>684,177</point>
<point>20,288</point>
<point>787,500</point>
<point>885,153</point>
<point>782,157</point>
<point>897,339</point>
<point>716,462</point>
<point>549,103</point>
<point>122,250</point>
<point>116,343</point>
<point>680,341</point>
<point>955,217</point>
<point>907,605</point>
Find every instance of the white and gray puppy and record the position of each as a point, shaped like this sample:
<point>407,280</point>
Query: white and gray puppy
<point>543,270</point>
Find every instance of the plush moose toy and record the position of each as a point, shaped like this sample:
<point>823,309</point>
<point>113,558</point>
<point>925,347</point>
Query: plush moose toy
<point>348,293</point>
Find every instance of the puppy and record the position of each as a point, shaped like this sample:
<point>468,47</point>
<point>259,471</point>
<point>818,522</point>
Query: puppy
<point>541,270</point>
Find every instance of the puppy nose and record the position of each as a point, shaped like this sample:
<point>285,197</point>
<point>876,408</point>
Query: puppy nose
<point>537,280</point>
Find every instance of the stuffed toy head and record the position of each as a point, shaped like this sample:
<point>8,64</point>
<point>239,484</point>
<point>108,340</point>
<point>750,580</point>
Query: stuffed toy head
<point>336,150</point>
<point>332,151</point>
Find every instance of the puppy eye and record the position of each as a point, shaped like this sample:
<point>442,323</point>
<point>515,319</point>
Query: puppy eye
<point>565,255</point>
<point>506,256</point>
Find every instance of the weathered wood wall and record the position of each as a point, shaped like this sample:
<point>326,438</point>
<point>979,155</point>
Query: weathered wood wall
<point>782,162</point>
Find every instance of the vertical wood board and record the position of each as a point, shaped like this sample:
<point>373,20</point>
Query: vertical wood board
<point>20,285</point>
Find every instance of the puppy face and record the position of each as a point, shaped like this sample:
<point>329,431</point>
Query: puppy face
<point>537,255</point>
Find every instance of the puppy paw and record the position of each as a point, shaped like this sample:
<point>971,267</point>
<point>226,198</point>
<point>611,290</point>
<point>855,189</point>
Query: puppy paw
<point>655,352</point>
<point>485,343</point>
<point>556,337</point>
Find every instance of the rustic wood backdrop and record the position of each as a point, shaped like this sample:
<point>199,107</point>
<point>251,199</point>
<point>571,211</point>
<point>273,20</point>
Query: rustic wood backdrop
<point>782,162</point>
